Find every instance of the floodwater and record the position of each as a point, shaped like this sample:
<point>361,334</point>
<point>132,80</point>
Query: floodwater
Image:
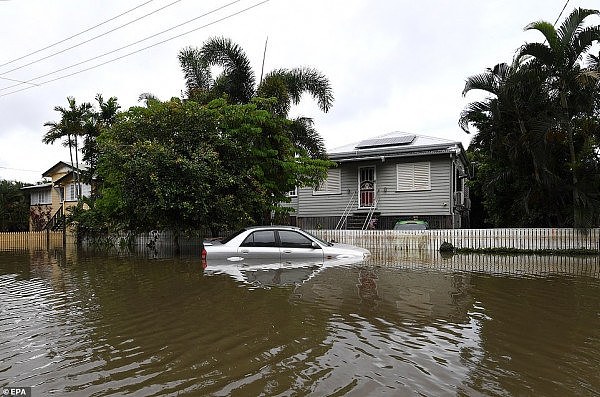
<point>82,324</point>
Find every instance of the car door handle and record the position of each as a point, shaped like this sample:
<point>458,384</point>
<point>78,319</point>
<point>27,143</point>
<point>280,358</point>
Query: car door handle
<point>287,251</point>
<point>245,251</point>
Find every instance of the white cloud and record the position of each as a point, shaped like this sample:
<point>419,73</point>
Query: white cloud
<point>393,65</point>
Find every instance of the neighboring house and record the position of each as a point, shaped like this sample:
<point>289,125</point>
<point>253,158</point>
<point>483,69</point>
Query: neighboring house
<point>397,176</point>
<point>51,200</point>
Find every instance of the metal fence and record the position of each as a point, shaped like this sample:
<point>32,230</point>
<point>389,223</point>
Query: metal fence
<point>30,240</point>
<point>517,238</point>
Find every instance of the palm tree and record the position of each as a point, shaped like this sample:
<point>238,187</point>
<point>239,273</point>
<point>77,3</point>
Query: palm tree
<point>237,83</point>
<point>97,121</point>
<point>514,124</point>
<point>71,125</point>
<point>560,56</point>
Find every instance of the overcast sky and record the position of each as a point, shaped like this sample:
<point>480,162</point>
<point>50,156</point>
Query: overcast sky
<point>394,65</point>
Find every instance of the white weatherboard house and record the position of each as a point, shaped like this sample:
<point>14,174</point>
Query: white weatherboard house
<point>378,181</point>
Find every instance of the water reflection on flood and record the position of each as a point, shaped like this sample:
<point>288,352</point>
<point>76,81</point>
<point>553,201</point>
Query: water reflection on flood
<point>83,323</point>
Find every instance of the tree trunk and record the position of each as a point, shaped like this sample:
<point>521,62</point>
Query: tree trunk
<point>78,180</point>
<point>176,235</point>
<point>569,127</point>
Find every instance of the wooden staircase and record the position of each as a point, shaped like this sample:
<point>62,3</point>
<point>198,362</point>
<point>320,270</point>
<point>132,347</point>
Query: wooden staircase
<point>57,222</point>
<point>357,220</point>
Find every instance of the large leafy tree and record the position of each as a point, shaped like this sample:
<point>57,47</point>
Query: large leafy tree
<point>535,157</point>
<point>14,208</point>
<point>237,82</point>
<point>183,166</point>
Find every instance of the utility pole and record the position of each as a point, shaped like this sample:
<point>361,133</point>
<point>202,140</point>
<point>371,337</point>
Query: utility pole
<point>262,69</point>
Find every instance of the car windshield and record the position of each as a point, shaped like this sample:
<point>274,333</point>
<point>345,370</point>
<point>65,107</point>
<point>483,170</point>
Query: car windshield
<point>318,239</point>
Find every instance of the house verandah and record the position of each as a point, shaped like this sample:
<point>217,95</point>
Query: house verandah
<point>380,181</point>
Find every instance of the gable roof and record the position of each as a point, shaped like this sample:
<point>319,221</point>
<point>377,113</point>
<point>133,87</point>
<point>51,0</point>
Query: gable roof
<point>396,144</point>
<point>61,164</point>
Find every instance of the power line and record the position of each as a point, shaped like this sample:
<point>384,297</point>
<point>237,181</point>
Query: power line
<point>120,48</point>
<point>91,39</point>
<point>20,169</point>
<point>141,49</point>
<point>75,35</point>
<point>18,81</point>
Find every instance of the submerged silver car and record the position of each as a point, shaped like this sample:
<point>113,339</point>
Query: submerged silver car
<point>261,245</point>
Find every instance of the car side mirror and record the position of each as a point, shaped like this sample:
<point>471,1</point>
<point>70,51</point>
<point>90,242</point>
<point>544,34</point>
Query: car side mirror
<point>315,245</point>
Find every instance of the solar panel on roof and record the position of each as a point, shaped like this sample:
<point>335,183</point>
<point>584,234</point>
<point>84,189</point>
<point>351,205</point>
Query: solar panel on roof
<point>391,141</point>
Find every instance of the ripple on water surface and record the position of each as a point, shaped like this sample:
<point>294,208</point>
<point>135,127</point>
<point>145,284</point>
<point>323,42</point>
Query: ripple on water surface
<point>98,325</point>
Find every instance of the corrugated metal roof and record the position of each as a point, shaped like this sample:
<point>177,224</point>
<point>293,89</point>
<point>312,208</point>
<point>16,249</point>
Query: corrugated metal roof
<point>417,145</point>
<point>37,186</point>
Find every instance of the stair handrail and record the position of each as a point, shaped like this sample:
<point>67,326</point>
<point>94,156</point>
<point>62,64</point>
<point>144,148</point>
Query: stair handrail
<point>55,220</point>
<point>371,212</point>
<point>346,212</point>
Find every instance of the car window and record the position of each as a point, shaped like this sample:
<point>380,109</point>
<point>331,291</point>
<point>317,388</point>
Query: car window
<point>291,239</point>
<point>231,236</point>
<point>262,238</point>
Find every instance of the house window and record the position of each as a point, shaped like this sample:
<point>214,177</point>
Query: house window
<point>413,176</point>
<point>41,197</point>
<point>331,185</point>
<point>293,193</point>
<point>72,191</point>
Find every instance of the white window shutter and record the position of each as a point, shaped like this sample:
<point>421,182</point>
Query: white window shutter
<point>422,174</point>
<point>404,177</point>
<point>413,176</point>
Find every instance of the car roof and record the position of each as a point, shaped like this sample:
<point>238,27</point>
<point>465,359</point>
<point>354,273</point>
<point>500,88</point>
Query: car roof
<point>272,227</point>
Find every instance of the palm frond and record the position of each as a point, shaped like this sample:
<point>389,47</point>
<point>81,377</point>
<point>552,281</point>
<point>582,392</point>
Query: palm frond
<point>572,25</point>
<point>300,80</point>
<point>549,32</point>
<point>195,70</point>
<point>593,61</point>
<point>540,51</point>
<point>585,39</point>
<point>289,85</point>
<point>221,51</point>
<point>483,81</point>
<point>474,112</point>
<point>54,133</point>
<point>306,137</point>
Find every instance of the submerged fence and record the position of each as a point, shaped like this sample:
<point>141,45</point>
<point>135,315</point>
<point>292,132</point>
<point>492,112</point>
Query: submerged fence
<point>526,238</point>
<point>374,240</point>
<point>30,240</point>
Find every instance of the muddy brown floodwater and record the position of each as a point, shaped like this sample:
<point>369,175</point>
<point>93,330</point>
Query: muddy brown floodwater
<point>82,324</point>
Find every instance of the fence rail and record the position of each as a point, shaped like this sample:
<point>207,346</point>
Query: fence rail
<point>30,240</point>
<point>525,238</point>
